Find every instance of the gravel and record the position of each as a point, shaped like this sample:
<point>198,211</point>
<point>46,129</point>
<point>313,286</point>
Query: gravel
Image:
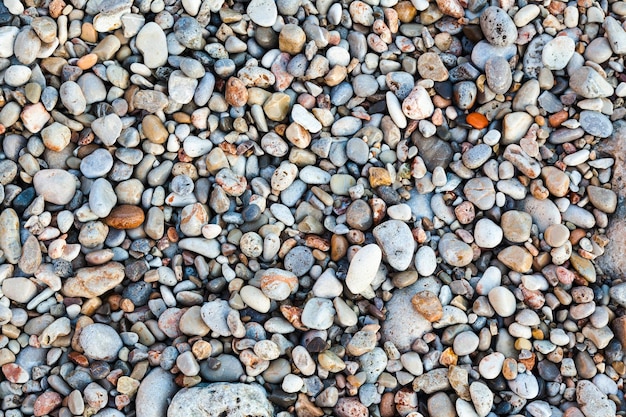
<point>293,208</point>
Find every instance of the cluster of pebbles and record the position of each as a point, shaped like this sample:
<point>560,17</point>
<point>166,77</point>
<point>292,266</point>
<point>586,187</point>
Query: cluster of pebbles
<point>308,208</point>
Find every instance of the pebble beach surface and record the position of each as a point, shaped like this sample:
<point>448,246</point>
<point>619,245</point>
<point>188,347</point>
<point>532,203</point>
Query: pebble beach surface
<point>312,208</point>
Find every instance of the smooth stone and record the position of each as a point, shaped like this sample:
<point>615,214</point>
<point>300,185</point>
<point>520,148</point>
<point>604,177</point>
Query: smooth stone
<point>487,234</point>
<point>418,104</point>
<point>102,198</point>
<point>96,164</point>
<point>543,212</point>
<point>593,401</point>
<point>396,242</point>
<point>481,192</point>
<point>318,313</point>
<point>363,268</point>
<point>100,342</point>
<point>465,343</point>
<point>498,73</point>
<point>516,258</point>
<point>558,52</point>
<point>154,393</point>
<point>525,385</point>
<point>498,27</point>
<point>586,82</point>
<point>516,226</point>
<point>602,198</point>
<point>72,98</point>
<point>483,51</point>
<point>503,301</point>
<point>596,123</point>
<point>515,126</point>
<point>215,315</point>
<point>454,251</point>
<point>19,290</point>
<point>56,186</point>
<point>262,12</point>
<point>94,281</point>
<point>425,261</point>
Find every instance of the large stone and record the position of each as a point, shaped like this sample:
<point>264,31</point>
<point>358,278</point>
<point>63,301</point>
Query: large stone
<point>152,44</point>
<point>404,324</point>
<point>94,281</point>
<point>154,394</point>
<point>221,399</point>
<point>55,185</point>
<point>593,402</point>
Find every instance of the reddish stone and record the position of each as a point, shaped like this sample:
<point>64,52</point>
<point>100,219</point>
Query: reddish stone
<point>15,373</point>
<point>46,402</point>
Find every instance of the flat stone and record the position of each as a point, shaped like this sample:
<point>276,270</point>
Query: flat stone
<point>19,290</point>
<point>516,258</point>
<point>262,12</point>
<point>318,314</point>
<point>516,226</point>
<point>56,186</point>
<point>480,192</point>
<point>543,212</point>
<point>454,251</point>
<point>94,281</point>
<point>596,123</point>
<point>221,399</point>
<point>586,82</point>
<point>592,401</point>
<point>558,52</point>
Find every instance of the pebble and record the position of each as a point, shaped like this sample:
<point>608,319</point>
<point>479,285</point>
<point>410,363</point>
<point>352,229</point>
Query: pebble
<point>487,234</point>
<point>400,311</point>
<point>363,268</point>
<point>154,393</point>
<point>55,185</point>
<point>498,27</point>
<point>394,239</point>
<point>502,301</point>
<point>152,44</point>
<point>557,53</point>
<point>425,261</point>
<point>100,342</point>
<point>454,251</point>
<point>318,314</point>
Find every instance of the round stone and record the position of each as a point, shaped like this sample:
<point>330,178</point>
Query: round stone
<point>503,301</point>
<point>487,234</point>
<point>100,342</point>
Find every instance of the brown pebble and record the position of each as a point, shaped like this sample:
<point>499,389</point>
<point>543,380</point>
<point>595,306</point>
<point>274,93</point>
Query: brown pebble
<point>406,11</point>
<point>236,93</point>
<point>125,217</point>
<point>428,305</point>
<point>338,247</point>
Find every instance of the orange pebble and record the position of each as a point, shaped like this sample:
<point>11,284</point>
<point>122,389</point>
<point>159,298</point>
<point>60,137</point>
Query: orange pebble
<point>87,61</point>
<point>477,120</point>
